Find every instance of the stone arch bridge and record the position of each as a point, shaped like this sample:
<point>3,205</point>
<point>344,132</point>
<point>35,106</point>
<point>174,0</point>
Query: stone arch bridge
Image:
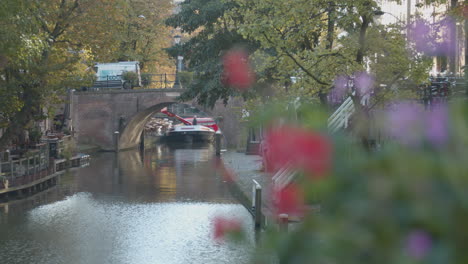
<point>96,115</point>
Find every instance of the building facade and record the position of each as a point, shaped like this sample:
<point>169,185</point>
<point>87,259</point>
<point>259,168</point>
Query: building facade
<point>409,11</point>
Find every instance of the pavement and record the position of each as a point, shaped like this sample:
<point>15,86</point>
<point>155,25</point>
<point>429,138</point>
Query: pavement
<point>247,168</point>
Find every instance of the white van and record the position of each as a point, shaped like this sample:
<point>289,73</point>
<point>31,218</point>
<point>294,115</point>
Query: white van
<point>108,74</point>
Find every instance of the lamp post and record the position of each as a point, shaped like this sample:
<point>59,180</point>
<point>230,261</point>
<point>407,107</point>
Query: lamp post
<point>177,39</point>
<point>379,13</point>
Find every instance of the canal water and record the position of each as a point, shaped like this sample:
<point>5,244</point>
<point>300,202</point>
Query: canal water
<point>153,207</point>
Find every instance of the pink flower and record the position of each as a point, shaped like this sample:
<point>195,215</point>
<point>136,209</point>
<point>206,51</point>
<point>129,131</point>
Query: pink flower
<point>225,226</point>
<point>237,71</point>
<point>299,149</point>
<point>289,200</point>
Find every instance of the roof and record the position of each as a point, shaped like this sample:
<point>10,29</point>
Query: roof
<point>119,63</point>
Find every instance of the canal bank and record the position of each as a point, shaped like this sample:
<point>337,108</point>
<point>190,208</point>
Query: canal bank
<point>155,206</point>
<point>246,171</point>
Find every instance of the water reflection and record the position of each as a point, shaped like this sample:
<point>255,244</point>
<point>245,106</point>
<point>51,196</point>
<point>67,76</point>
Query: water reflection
<point>128,209</point>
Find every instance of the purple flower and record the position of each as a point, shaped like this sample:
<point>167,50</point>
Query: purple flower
<point>340,89</point>
<point>432,39</point>
<point>405,123</point>
<point>420,34</point>
<point>437,125</point>
<point>445,45</point>
<point>418,244</point>
<point>363,83</point>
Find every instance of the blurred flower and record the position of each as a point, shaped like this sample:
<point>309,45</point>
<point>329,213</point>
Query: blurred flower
<point>226,226</point>
<point>419,33</point>
<point>437,125</point>
<point>418,244</point>
<point>299,149</point>
<point>289,200</point>
<point>433,40</point>
<point>340,88</point>
<point>411,125</point>
<point>363,83</point>
<point>237,72</point>
<point>405,123</point>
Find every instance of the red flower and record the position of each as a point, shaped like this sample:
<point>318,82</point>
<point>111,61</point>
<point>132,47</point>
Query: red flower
<point>225,226</point>
<point>298,149</point>
<point>289,200</point>
<point>237,72</point>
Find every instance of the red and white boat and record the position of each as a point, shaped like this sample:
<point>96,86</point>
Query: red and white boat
<point>202,132</point>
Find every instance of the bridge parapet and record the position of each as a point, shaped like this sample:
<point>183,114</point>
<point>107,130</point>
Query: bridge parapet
<point>130,91</point>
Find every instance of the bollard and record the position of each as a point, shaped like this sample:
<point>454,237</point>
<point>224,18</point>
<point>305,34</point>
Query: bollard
<point>283,222</point>
<point>142,140</point>
<point>116,141</point>
<point>257,202</point>
<point>218,143</point>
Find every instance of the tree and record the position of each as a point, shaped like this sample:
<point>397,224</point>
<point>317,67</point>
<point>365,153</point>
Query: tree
<point>213,33</point>
<point>43,47</point>
<point>318,41</point>
<point>144,35</point>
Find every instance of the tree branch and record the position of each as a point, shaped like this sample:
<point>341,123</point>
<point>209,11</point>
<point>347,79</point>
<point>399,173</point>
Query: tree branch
<point>291,56</point>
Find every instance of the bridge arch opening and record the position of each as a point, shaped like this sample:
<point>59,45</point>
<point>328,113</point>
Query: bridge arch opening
<point>130,136</point>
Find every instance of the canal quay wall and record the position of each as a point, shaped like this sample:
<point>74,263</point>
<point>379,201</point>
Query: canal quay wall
<point>246,169</point>
<point>27,176</point>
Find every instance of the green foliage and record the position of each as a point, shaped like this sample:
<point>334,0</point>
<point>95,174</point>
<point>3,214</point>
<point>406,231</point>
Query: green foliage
<point>301,39</point>
<point>142,36</point>
<point>35,135</point>
<point>373,203</point>
<point>146,79</point>
<point>48,46</point>
<point>185,78</point>
<point>213,34</point>
<point>131,78</point>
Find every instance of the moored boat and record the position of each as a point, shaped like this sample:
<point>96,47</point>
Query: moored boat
<point>190,133</point>
<point>192,130</point>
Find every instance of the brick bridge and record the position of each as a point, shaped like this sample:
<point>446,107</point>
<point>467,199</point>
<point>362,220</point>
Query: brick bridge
<point>97,115</point>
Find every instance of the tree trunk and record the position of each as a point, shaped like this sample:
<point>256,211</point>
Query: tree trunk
<point>323,98</point>
<point>362,39</point>
<point>331,26</point>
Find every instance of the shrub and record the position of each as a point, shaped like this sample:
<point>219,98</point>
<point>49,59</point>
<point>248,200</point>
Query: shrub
<point>131,78</point>
<point>146,79</point>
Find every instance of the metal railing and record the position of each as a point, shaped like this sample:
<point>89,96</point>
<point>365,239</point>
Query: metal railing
<point>23,171</point>
<point>148,81</point>
<point>340,118</point>
<point>158,81</point>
